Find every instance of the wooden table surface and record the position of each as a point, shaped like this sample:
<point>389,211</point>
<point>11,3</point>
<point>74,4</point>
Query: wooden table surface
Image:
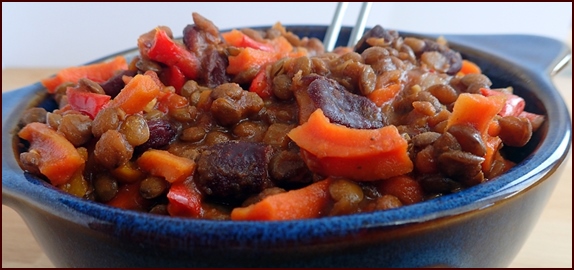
<point>549,245</point>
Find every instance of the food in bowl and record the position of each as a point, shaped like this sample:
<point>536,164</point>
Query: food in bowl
<point>256,124</point>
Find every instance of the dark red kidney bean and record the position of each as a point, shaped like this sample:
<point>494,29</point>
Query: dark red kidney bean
<point>200,34</point>
<point>213,66</point>
<point>192,37</point>
<point>201,39</point>
<point>161,133</point>
<point>469,138</point>
<point>115,84</point>
<point>515,131</point>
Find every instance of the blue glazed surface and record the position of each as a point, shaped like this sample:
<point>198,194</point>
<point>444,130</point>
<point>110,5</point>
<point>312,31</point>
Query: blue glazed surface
<point>449,230</point>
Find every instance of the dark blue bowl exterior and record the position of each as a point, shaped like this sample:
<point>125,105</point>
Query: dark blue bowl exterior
<point>483,226</point>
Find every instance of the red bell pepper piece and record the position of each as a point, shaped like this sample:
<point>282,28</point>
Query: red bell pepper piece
<point>261,85</point>
<point>184,200</point>
<point>174,77</point>
<point>167,51</point>
<point>514,104</point>
<point>535,119</point>
<point>86,102</point>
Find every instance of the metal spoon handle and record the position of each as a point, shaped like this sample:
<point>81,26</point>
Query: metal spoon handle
<point>360,24</point>
<point>335,27</point>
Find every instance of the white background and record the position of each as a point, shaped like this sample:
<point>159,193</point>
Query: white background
<point>66,34</point>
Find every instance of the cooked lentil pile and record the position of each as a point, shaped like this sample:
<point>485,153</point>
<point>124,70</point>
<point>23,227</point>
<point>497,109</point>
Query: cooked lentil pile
<point>266,125</point>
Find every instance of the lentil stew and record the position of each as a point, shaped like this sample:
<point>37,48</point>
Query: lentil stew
<point>254,124</point>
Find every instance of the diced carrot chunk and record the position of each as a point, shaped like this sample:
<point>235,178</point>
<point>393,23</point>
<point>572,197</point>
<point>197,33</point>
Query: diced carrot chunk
<point>59,159</point>
<point>303,203</point>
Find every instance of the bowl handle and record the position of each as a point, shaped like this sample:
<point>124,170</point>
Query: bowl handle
<point>542,55</point>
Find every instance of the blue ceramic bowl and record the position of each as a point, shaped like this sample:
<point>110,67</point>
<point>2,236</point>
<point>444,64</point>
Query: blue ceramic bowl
<point>483,226</point>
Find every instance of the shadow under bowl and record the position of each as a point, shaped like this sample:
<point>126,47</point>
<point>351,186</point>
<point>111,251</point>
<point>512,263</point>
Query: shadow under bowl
<point>482,226</point>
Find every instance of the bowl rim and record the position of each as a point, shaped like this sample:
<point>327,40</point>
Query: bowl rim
<point>548,155</point>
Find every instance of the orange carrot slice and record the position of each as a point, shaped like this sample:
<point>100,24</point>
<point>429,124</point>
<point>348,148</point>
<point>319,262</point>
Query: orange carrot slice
<point>359,154</point>
<point>99,72</point>
<point>382,95</point>
<point>469,67</point>
<point>140,90</point>
<point>303,203</point>
<point>59,159</point>
<point>403,187</point>
<point>165,164</point>
<point>249,58</point>
<point>476,110</point>
<point>479,111</point>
